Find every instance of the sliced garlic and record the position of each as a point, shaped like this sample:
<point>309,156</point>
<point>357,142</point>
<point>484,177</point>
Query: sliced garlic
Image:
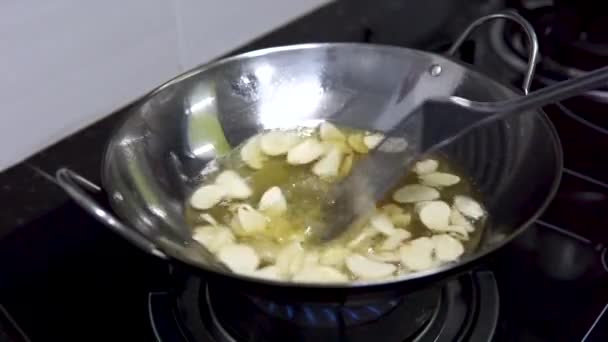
<point>329,164</point>
<point>209,219</point>
<point>305,152</point>
<point>207,196</point>
<point>468,207</point>
<point>334,256</point>
<point>251,220</point>
<point>269,272</point>
<point>417,255</point>
<point>391,209</point>
<point>373,140</point>
<point>251,153</point>
<point>234,185</point>
<point>439,179</point>
<point>289,258</point>
<point>273,202</point>
<point>347,165</point>
<point>382,223</point>
<point>447,248</point>
<point>385,256</point>
<point>401,220</point>
<point>365,235</point>
<point>267,250</point>
<point>319,274</point>
<point>329,132</point>
<point>426,166</point>
<point>276,143</point>
<point>459,232</point>
<point>356,142</point>
<point>415,193</point>
<point>365,268</point>
<point>394,240</point>
<point>457,219</point>
<point>239,258</point>
<point>435,215</point>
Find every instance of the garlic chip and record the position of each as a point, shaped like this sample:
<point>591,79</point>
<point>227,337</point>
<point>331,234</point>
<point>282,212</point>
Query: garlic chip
<point>439,179</point>
<point>334,256</point>
<point>417,255</point>
<point>251,153</point>
<point>329,132</point>
<point>394,240</point>
<point>319,274</point>
<point>426,166</point>
<point>213,237</point>
<point>234,185</point>
<point>251,220</point>
<point>382,223</point>
<point>305,152</point>
<point>468,207</point>
<point>415,193</point>
<point>435,215</point>
<point>207,196</point>
<point>273,202</point>
<point>329,164</point>
<point>365,268</point>
<point>447,248</point>
<point>373,140</point>
<point>276,143</point>
<point>239,258</point>
<point>457,219</point>
<point>356,142</point>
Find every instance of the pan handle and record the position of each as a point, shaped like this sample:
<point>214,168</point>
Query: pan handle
<point>77,186</point>
<point>533,55</point>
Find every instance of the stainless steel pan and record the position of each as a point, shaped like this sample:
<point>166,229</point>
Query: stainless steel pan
<point>153,161</point>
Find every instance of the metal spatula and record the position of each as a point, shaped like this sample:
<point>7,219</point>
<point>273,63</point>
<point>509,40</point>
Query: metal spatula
<point>426,128</point>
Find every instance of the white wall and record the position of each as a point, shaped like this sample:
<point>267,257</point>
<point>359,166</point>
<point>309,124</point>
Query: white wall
<point>67,63</point>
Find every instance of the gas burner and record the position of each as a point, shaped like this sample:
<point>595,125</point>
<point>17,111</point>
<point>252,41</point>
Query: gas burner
<point>465,308</point>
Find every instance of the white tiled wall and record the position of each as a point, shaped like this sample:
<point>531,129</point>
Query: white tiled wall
<point>67,63</point>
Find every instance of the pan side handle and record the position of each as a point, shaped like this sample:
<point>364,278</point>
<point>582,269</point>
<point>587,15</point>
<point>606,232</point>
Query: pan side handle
<point>78,188</point>
<point>533,55</point>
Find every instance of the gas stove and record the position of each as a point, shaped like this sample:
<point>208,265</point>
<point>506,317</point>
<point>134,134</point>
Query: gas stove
<point>65,277</point>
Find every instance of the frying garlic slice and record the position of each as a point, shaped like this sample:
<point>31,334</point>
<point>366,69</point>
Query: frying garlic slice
<point>468,207</point>
<point>347,165</point>
<point>373,140</point>
<point>439,179</point>
<point>387,256</point>
<point>394,145</point>
<point>235,186</point>
<point>457,219</point>
<point>329,164</point>
<point>239,258</point>
<point>289,258</point>
<point>447,248</point>
<point>276,143</point>
<point>417,255</point>
<point>209,219</point>
<point>383,224</point>
<point>365,268</point>
<point>319,274</point>
<point>329,132</point>
<point>213,237</point>
<point>401,220</point>
<point>273,202</point>
<point>435,215</point>
<point>334,256</point>
<point>305,152</point>
<point>415,193</point>
<point>459,232</point>
<point>366,234</point>
<point>251,153</point>
<point>356,142</point>
<point>394,240</point>
<point>426,166</point>
<point>207,196</point>
<point>251,220</point>
<point>269,272</point>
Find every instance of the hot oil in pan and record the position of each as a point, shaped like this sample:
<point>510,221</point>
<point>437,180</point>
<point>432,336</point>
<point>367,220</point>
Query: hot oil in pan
<point>304,192</point>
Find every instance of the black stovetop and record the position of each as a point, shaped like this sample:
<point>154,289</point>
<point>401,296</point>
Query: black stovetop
<point>65,277</point>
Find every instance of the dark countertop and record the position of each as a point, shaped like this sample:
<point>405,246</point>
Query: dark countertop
<point>27,194</point>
